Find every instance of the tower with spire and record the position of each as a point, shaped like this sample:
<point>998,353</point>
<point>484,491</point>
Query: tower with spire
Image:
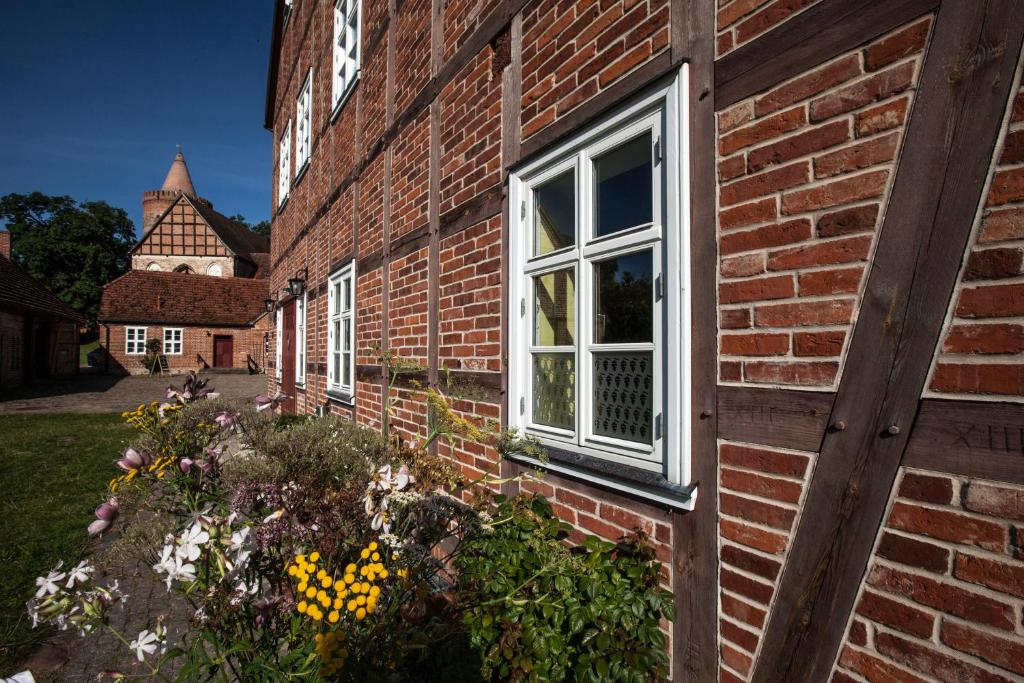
<point>177,182</point>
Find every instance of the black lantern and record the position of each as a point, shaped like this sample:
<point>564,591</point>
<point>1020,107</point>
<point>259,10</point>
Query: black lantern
<point>270,305</point>
<point>297,283</point>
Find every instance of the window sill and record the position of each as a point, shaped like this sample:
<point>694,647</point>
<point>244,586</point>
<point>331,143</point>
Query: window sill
<point>349,89</point>
<point>341,397</point>
<point>652,487</point>
<point>299,173</point>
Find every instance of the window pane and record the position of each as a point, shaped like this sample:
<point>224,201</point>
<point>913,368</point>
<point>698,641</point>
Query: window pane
<point>624,191</point>
<point>346,368</point>
<point>346,289</point>
<point>624,299</point>
<point>555,213</point>
<point>336,335</point>
<point>554,316</point>
<point>623,384</point>
<point>346,337</point>
<point>554,390</point>
<point>336,367</point>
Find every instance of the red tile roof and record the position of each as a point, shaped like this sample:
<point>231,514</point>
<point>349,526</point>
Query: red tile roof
<point>142,296</point>
<point>21,292</point>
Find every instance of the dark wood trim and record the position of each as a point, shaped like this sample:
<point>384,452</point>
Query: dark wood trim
<point>820,33</point>
<point>786,418</point>
<point>339,264</point>
<point>695,534</point>
<point>941,178</point>
<point>978,439</point>
<point>678,30</point>
<point>412,241</point>
<point>485,205</point>
<point>370,262</point>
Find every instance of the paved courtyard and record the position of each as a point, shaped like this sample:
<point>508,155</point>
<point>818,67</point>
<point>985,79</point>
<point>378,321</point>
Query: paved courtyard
<point>111,394</point>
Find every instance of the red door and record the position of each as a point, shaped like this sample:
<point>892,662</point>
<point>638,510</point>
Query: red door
<point>223,351</point>
<point>288,357</point>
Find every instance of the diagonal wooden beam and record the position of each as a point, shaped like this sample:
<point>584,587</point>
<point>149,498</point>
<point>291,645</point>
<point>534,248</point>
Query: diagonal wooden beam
<point>958,112</point>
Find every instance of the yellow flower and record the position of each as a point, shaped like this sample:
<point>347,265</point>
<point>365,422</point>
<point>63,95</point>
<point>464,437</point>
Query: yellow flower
<point>339,603</point>
<point>325,601</point>
<point>350,568</point>
<point>341,590</point>
<point>360,614</point>
<point>310,592</point>
<point>374,591</point>
<point>365,588</point>
<point>314,556</point>
<point>371,607</point>
<point>363,570</point>
<point>361,600</point>
<point>333,617</point>
<point>375,557</point>
<point>384,573</point>
<point>352,605</point>
<point>349,578</point>
<point>326,582</point>
<point>364,554</point>
<point>302,607</point>
<point>302,586</point>
<point>372,546</point>
<point>318,615</point>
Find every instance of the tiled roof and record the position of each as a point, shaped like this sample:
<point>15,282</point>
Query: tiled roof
<point>145,296</point>
<point>19,291</point>
<point>238,238</point>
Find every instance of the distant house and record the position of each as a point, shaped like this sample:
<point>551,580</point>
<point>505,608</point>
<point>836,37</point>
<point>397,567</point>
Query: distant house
<point>197,286</point>
<point>38,331</point>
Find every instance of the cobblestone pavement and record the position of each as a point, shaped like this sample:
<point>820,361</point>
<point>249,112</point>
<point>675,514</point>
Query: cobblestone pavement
<point>112,394</point>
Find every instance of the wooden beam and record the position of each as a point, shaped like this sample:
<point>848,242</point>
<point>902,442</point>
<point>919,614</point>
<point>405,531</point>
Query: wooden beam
<point>977,439</point>
<point>774,417</point>
<point>815,36</point>
<point>695,534</point>
<point>940,181</point>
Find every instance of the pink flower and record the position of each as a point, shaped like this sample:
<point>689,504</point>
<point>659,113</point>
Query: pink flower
<point>133,459</point>
<point>225,420</point>
<point>106,513</point>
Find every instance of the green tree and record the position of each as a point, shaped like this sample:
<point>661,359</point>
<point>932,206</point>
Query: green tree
<point>74,248</point>
<point>261,228</point>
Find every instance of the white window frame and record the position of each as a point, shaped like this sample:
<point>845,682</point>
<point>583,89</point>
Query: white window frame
<point>347,50</point>
<point>337,316</point>
<point>284,164</point>
<point>301,311</point>
<point>304,125</point>
<point>175,342</point>
<point>134,344</point>
<point>662,110</point>
<point>279,342</point>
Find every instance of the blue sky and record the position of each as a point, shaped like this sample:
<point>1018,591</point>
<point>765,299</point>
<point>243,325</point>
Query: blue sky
<point>94,96</point>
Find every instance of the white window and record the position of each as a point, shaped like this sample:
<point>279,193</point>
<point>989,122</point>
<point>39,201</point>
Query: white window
<point>304,124</point>
<point>341,330</point>
<point>172,341</point>
<point>599,293</point>
<point>279,340</point>
<point>346,49</point>
<point>153,265</point>
<point>134,340</point>
<point>300,339</point>
<point>284,164</point>
<point>215,270</point>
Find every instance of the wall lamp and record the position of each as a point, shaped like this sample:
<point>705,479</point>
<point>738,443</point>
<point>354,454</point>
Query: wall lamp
<point>297,283</point>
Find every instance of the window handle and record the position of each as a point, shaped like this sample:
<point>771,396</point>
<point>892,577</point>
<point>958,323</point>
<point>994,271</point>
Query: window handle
<point>659,288</point>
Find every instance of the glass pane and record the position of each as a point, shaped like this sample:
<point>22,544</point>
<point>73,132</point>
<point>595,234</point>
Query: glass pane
<point>554,316</point>
<point>336,367</point>
<point>624,191</point>
<point>346,288</point>
<point>335,335</point>
<point>624,299</point>
<point>555,213</point>
<point>346,368</point>
<point>623,384</point>
<point>346,337</point>
<point>554,390</point>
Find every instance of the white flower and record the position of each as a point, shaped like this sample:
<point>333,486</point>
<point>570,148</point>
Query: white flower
<point>403,478</point>
<point>48,584</point>
<point>277,514</point>
<point>166,563</point>
<point>80,573</point>
<point>145,644</point>
<point>382,520</point>
<point>368,504</point>
<point>191,542</point>
<point>182,571</point>
<point>238,538</point>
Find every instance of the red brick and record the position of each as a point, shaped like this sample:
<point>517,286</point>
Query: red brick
<point>889,612</point>
<point>746,587</point>
<point>822,344</point>
<point>913,553</point>
<point>743,266</point>
<point>730,371</point>
<point>1013,148</point>
<point>1007,186</point>
<point>625,63</point>
<point>724,43</point>
<point>756,511</point>
<point>1017,115</point>
<point>932,662</point>
<point>808,374</point>
<point>839,281</point>
<point>795,146</point>
<point>808,85</point>
<point>896,46</point>
<point>753,537</point>
<point>836,312</point>
<point>856,157</point>
<point>926,488</point>
<point>750,562</point>
<point>626,519</point>
<point>844,250</point>
<point>993,264</point>
<point>1006,224</point>
<point>575,500</point>
<point>761,486</point>
<point>947,526</point>
<point>998,501</point>
<point>764,183</point>
<point>740,636</point>
<point>843,191</point>
<point>735,11</point>
<point>735,318</point>
<point>848,221</point>
<point>734,659</point>
<point>758,344</point>
<point>880,86</point>
<point>742,611</point>
<point>1000,576</point>
<point>771,462</point>
<point>762,130</point>
<point>765,237</point>
<point>994,301</point>
<point>858,632</point>
<point>1006,380</point>
<point>599,527</point>
<point>730,168</point>
<point>839,676</point>
<point>880,118</point>
<point>874,669</point>
<point>1003,653</point>
<point>735,116</point>
<point>760,289</point>
<point>760,211</point>
<point>944,597</point>
<point>985,339</point>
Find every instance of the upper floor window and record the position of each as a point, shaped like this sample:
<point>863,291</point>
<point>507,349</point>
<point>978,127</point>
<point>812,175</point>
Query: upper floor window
<point>134,340</point>
<point>600,294</point>
<point>300,339</point>
<point>341,331</point>
<point>172,341</point>
<point>215,270</point>
<point>304,124</point>
<point>346,49</point>
<point>284,164</point>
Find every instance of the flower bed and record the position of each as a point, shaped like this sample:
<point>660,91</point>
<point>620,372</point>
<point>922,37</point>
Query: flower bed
<point>320,549</point>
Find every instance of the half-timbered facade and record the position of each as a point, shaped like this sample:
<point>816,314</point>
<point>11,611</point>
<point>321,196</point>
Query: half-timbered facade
<point>749,269</point>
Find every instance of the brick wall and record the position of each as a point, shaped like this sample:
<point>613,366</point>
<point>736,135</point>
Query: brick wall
<point>197,346</point>
<point>12,331</point>
<point>944,594</point>
<point>804,170</point>
<point>740,21</point>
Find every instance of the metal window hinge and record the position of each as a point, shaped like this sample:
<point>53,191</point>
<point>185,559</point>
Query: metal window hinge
<point>522,210</point>
<point>657,149</point>
<point>657,426</point>
<point>522,405</point>
<point>659,288</point>
<point>522,306</point>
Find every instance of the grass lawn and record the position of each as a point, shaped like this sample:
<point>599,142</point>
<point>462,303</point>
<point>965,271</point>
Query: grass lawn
<point>84,350</point>
<point>53,470</point>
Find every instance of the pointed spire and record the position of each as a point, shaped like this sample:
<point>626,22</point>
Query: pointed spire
<point>178,178</point>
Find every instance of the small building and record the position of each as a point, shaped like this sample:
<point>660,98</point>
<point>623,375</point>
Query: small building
<point>198,287</point>
<point>38,331</point>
